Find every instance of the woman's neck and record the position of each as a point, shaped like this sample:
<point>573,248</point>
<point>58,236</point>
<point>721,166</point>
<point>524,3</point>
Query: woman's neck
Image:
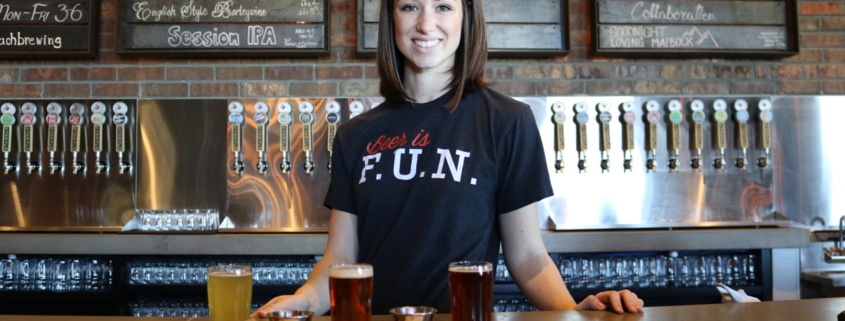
<point>426,86</point>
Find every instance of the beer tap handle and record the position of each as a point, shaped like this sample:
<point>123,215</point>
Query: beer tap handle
<point>98,119</point>
<point>675,117</point>
<point>261,118</point>
<point>306,117</point>
<point>285,120</point>
<point>742,116</point>
<point>698,118</point>
<point>766,117</point>
<point>333,120</point>
<point>653,117</point>
<point>559,119</point>
<point>76,120</point>
<point>629,117</point>
<point>120,119</point>
<point>604,118</point>
<point>236,119</point>
<point>7,119</point>
<point>53,119</point>
<point>581,120</point>
<point>28,120</point>
<point>720,116</point>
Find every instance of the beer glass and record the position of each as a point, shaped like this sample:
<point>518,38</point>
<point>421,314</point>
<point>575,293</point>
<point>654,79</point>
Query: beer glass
<point>229,292</point>
<point>471,290</point>
<point>351,292</point>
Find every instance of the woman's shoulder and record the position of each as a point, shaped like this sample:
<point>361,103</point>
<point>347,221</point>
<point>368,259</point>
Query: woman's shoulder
<point>498,102</point>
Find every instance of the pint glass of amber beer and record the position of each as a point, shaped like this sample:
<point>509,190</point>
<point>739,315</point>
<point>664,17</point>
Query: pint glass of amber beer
<point>229,292</point>
<point>351,291</point>
<point>471,290</point>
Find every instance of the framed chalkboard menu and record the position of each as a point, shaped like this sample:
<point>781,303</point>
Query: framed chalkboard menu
<point>537,28</point>
<point>223,28</point>
<point>48,29</point>
<point>703,28</point>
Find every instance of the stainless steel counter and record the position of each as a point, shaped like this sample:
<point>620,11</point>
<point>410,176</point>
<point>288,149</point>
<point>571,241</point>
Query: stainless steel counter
<point>314,243</point>
<point>814,309</point>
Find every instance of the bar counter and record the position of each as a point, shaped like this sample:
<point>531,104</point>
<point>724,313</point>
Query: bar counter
<point>225,243</point>
<point>804,310</point>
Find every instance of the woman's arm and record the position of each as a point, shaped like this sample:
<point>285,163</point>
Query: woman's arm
<point>341,247</point>
<point>529,263</point>
<point>538,277</point>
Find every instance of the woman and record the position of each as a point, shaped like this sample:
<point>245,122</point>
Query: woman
<point>446,169</point>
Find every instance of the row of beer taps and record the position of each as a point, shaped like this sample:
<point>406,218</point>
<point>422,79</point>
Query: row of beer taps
<point>653,119</point>
<point>53,116</point>
<point>285,119</point>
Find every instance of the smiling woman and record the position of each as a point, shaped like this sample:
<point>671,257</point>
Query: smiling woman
<point>446,169</point>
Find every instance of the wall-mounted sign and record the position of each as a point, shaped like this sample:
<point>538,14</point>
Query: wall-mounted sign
<point>223,28</point>
<point>514,28</point>
<point>749,28</point>
<point>48,29</point>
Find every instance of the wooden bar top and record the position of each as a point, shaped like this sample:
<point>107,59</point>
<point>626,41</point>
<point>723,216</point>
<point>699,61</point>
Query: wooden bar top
<point>796,310</point>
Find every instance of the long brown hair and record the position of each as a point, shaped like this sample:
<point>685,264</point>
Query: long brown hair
<point>470,57</point>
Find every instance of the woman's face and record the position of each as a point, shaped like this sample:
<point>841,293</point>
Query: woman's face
<point>428,32</point>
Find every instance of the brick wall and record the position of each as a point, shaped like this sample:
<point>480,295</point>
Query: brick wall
<point>818,69</point>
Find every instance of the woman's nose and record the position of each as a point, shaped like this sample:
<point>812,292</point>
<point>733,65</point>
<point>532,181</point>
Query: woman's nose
<point>426,22</point>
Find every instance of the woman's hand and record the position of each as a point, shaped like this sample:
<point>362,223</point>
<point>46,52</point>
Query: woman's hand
<point>616,301</point>
<point>282,302</point>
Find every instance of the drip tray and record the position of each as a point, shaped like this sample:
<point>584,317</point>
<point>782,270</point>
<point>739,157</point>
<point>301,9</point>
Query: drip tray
<point>825,278</point>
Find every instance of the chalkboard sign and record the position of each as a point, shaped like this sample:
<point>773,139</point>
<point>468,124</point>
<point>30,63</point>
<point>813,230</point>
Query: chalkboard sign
<point>48,29</point>
<point>745,28</point>
<point>538,28</point>
<point>223,28</point>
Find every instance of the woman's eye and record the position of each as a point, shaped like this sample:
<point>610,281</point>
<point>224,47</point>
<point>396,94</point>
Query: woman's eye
<point>408,7</point>
<point>444,8</point>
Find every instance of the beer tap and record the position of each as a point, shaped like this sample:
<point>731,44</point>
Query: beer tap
<point>629,117</point>
<point>98,119</point>
<point>236,119</point>
<point>28,120</point>
<point>698,118</point>
<point>581,119</point>
<point>356,108</point>
<point>53,119</point>
<point>76,120</point>
<point>604,117</point>
<point>741,115</point>
<point>720,116</point>
<point>653,117</point>
<point>7,118</point>
<point>285,120</point>
<point>675,117</point>
<point>261,119</point>
<point>766,117</point>
<point>333,119</point>
<point>120,119</point>
<point>306,117</point>
<point>559,118</point>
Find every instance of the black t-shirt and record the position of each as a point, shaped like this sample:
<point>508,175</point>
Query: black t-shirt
<point>427,187</point>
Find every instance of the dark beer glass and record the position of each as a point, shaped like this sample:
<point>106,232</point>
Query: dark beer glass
<point>351,292</point>
<point>471,290</point>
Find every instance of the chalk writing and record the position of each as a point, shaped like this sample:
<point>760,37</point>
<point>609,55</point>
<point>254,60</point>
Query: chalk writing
<point>224,11</point>
<point>43,12</point>
<point>656,11</point>
<point>698,37</point>
<point>219,26</point>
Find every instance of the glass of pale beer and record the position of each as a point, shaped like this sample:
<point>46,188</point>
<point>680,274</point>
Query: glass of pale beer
<point>229,292</point>
<point>471,290</point>
<point>351,292</point>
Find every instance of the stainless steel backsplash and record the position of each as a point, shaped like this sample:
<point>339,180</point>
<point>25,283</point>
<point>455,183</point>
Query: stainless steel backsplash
<point>181,157</point>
